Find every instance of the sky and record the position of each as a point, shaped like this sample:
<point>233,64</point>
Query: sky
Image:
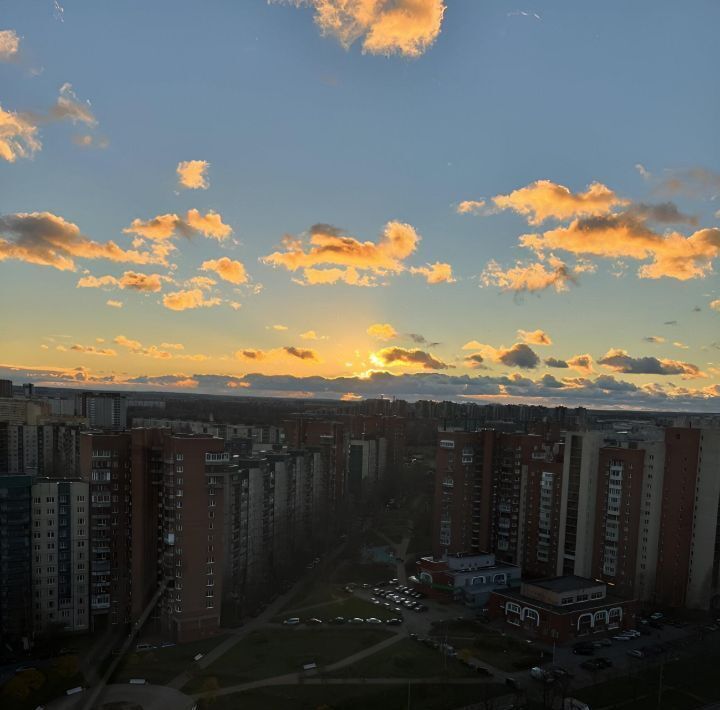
<point>463,199</point>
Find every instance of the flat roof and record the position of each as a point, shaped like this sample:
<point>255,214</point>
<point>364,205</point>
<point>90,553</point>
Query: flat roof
<point>607,600</point>
<point>568,583</point>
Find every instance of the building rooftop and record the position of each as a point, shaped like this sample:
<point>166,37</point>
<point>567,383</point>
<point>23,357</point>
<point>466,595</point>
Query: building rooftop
<point>568,583</point>
<point>515,595</point>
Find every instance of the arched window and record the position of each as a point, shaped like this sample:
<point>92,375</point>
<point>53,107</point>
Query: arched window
<point>616,614</point>
<point>499,579</point>
<point>531,615</point>
<point>600,617</point>
<point>426,578</point>
<point>585,621</point>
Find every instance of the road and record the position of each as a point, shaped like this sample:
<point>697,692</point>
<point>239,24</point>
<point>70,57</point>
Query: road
<point>148,697</point>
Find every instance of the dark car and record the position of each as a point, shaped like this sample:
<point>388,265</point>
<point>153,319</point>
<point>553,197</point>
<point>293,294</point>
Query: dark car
<point>584,651</point>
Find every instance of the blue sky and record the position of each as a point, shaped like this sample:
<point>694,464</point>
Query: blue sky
<point>299,130</point>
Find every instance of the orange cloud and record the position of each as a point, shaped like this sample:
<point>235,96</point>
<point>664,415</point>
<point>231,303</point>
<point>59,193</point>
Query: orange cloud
<point>345,255</point>
<point>188,299</point>
<point>312,335</point>
<point>166,226</point>
<point>9,45</point>
<point>534,337</point>
<point>192,174</point>
<point>227,269</point>
<point>436,273</point>
<point>18,136</point>
<point>715,305</point>
<point>403,356</point>
<point>47,239</point>
<point>470,206</point>
<point>153,351</point>
<point>581,363</point>
<point>406,27</point>
<point>129,280</point>
<point>202,282</point>
<point>544,199</point>
<point>530,278</point>
<point>250,354</point>
<point>382,331</point>
<point>92,350</point>
<point>113,303</point>
<point>624,235</point>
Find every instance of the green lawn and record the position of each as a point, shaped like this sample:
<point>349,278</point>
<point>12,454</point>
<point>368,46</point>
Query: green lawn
<point>358,697</point>
<point>159,665</point>
<point>349,607</point>
<point>406,659</point>
<point>271,652</point>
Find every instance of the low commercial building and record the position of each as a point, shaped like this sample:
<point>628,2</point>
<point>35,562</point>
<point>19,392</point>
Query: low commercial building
<point>465,577</point>
<point>562,609</point>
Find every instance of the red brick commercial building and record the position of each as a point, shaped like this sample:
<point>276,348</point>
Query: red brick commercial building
<point>562,609</point>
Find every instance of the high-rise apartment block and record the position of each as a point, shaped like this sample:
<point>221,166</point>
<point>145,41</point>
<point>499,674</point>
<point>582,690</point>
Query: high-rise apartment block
<point>638,509</point>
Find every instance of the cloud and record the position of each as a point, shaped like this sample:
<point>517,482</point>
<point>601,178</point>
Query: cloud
<point>343,258</point>
<point>643,171</point>
<point>519,355</point>
<point>627,236</point>
<point>473,345</point>
<point>312,335</point>
<point>9,45</point>
<point>544,199</point>
<point>715,305</point>
<point>529,278</point>
<point>403,356</point>
<point>18,136</point>
<point>476,360</point>
<point>301,353</point>
<point>188,299</point>
<point>204,283</point>
<point>602,392</point>
<point>582,363</point>
<point>436,273</point>
<point>49,240</point>
<point>680,345</point>
<point>405,27</point>
<point>150,283</point>
<point>250,354</point>
<point>692,182</point>
<point>86,140</point>
<point>152,351</point>
<point>192,174</point>
<point>92,350</point>
<point>421,339</point>
<point>471,207</point>
<point>555,362</point>
<point>657,339</point>
<point>113,303</point>
<point>534,337</point>
<point>166,226</point>
<point>620,361</point>
<point>382,331</point>
<point>227,269</point>
<point>279,327</point>
<point>69,107</point>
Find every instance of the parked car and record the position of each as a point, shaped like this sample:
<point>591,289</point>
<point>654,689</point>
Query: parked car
<point>314,621</point>
<point>292,621</point>
<point>621,637</point>
<point>636,653</point>
<point>656,616</point>
<point>393,622</point>
<point>373,620</point>
<point>540,674</point>
<point>356,620</point>
<point>339,620</point>
<point>559,672</point>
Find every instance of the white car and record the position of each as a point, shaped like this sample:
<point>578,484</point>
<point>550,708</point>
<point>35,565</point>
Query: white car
<point>373,620</point>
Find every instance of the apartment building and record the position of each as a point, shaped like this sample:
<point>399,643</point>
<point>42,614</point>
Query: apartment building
<point>60,555</point>
<point>15,558</point>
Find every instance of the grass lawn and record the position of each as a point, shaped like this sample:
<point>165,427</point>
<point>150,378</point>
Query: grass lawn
<point>406,659</point>
<point>349,607</point>
<point>159,665</point>
<point>358,697</point>
<point>271,652</point>
<point>474,639</point>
